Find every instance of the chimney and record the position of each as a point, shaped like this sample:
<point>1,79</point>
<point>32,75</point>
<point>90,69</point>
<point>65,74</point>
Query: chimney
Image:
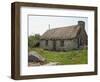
<point>49,26</point>
<point>82,24</point>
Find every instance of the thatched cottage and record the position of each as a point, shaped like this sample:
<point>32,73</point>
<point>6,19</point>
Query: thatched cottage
<point>65,38</point>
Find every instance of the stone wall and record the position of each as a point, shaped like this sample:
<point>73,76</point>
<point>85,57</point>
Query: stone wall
<point>44,46</point>
<point>68,45</point>
<point>50,45</point>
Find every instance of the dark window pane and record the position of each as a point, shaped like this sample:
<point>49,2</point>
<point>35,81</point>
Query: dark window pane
<point>62,43</point>
<point>46,42</point>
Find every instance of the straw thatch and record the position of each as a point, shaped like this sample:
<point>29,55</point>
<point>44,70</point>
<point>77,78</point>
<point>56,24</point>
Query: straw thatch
<point>68,32</point>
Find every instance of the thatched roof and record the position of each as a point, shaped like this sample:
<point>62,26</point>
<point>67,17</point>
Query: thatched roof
<point>68,32</point>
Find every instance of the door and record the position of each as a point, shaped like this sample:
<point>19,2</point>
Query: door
<point>79,42</point>
<point>54,45</point>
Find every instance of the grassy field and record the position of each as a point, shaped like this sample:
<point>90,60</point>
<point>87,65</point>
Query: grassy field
<point>63,58</point>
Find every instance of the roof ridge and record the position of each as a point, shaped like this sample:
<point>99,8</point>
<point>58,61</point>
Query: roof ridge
<point>62,27</point>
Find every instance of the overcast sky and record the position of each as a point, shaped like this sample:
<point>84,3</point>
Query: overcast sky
<point>40,24</point>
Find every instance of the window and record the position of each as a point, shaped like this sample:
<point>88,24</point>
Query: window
<point>46,43</point>
<point>62,42</point>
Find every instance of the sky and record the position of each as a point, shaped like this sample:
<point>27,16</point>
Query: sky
<point>38,24</point>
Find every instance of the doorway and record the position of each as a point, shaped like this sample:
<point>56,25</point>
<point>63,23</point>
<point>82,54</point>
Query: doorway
<point>54,45</point>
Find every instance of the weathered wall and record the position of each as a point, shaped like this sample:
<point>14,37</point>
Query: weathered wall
<point>68,45</point>
<point>44,46</point>
<point>50,45</point>
<point>83,37</point>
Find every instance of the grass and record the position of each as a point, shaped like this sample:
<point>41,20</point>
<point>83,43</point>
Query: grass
<point>63,58</point>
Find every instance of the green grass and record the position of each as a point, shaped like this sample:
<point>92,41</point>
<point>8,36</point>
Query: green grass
<point>63,58</point>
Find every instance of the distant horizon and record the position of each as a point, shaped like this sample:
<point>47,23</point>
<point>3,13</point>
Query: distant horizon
<point>40,24</point>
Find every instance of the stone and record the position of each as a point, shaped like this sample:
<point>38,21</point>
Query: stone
<point>33,56</point>
<point>52,63</point>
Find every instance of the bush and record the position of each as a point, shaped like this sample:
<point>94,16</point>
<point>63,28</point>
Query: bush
<point>33,41</point>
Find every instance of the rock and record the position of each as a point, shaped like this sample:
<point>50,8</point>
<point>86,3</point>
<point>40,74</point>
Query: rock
<point>35,57</point>
<point>52,63</point>
<point>33,64</point>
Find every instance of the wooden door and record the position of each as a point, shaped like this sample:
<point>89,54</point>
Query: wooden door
<point>54,45</point>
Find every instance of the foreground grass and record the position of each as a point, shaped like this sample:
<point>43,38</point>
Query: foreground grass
<point>63,58</point>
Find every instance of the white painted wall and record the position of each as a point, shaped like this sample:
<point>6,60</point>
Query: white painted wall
<point>5,40</point>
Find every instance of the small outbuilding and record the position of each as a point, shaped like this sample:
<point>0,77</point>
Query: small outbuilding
<point>65,38</point>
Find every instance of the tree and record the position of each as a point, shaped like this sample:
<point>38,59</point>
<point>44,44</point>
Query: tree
<point>33,41</point>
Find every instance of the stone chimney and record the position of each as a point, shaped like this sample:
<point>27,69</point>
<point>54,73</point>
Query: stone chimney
<point>82,24</point>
